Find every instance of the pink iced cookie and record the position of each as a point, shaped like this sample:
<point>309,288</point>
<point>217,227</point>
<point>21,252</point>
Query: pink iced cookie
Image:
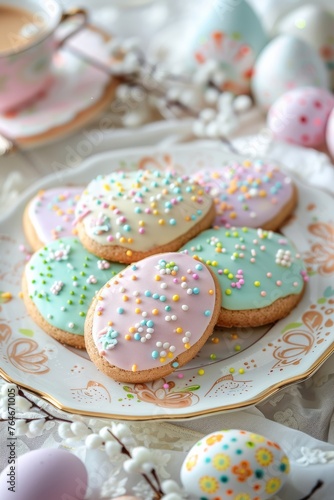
<point>50,215</point>
<point>300,116</point>
<point>152,317</point>
<point>250,193</point>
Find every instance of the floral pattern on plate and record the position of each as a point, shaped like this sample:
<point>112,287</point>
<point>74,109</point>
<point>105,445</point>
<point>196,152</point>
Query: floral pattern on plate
<point>321,254</point>
<point>161,393</point>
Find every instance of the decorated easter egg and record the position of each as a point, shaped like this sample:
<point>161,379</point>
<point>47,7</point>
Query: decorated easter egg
<point>286,63</point>
<point>230,33</point>
<point>314,25</point>
<point>330,133</point>
<point>234,464</point>
<point>49,473</point>
<point>300,116</point>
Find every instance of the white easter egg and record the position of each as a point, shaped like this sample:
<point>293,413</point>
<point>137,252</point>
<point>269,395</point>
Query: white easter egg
<point>270,11</point>
<point>300,116</point>
<point>314,25</point>
<point>234,464</point>
<point>284,64</point>
<point>49,473</point>
<point>232,35</point>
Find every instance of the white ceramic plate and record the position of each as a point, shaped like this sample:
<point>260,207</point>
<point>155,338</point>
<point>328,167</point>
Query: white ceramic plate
<point>250,364</point>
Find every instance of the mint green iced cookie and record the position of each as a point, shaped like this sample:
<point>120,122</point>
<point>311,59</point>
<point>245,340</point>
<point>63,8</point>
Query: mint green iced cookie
<point>261,274</point>
<point>59,284</point>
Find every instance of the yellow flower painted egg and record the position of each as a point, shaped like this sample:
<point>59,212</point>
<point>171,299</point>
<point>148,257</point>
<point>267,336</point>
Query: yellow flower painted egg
<point>234,464</point>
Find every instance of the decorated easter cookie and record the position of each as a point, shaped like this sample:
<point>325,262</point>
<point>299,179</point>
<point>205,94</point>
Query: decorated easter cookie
<point>50,215</point>
<point>152,318</point>
<point>249,193</point>
<point>234,464</point>
<point>260,273</point>
<point>126,216</point>
<point>59,284</point>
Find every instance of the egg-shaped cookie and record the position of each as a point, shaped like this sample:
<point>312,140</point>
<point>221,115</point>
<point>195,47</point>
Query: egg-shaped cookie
<point>50,215</point>
<point>252,193</point>
<point>59,283</point>
<point>261,274</point>
<point>127,216</point>
<point>152,318</point>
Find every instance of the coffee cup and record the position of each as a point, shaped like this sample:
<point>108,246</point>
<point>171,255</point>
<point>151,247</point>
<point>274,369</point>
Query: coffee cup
<point>28,41</point>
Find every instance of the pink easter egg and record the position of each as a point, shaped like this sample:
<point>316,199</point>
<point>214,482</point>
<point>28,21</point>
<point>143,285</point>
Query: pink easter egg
<point>49,473</point>
<point>330,133</point>
<point>300,116</point>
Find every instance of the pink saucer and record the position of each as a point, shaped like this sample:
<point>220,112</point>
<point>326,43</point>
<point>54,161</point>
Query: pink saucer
<point>77,88</point>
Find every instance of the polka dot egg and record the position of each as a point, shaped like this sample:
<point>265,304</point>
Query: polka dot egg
<point>234,464</point>
<point>300,116</point>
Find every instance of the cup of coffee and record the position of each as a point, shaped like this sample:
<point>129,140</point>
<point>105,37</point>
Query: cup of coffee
<point>27,43</point>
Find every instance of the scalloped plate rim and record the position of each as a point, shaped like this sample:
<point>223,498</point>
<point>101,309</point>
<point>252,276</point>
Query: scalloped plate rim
<point>61,178</point>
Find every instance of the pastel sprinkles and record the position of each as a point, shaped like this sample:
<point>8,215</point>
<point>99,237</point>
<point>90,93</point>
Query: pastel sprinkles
<point>255,269</point>
<point>50,215</point>
<point>251,193</point>
<point>60,282</point>
<point>151,318</point>
<point>126,216</point>
<point>145,321</point>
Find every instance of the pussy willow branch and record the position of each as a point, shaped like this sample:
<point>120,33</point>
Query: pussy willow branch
<point>157,490</point>
<point>49,417</point>
<point>314,490</point>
